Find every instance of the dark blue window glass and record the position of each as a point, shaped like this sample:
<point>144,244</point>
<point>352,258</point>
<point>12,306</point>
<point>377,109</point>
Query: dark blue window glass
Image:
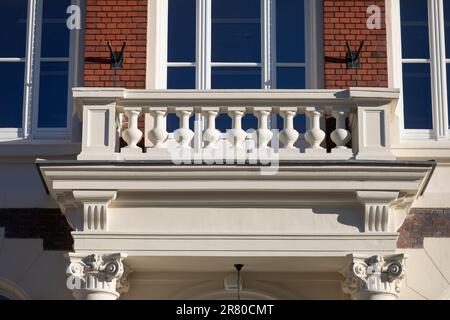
<point>299,123</point>
<point>173,122</point>
<point>290,78</point>
<point>182,22</point>
<point>181,78</point>
<point>280,123</point>
<point>290,30</point>
<point>249,121</point>
<point>236,31</point>
<point>447,27</point>
<point>2,297</point>
<point>11,95</point>
<point>55,34</point>
<point>235,78</point>
<point>414,25</point>
<point>53,95</point>
<point>417,96</point>
<point>223,122</point>
<point>13,17</point>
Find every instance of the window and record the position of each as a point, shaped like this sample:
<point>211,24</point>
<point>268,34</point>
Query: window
<point>35,50</point>
<point>425,57</point>
<point>234,44</point>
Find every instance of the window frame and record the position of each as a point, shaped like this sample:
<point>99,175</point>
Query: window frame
<point>438,73</point>
<point>157,62</point>
<point>32,60</point>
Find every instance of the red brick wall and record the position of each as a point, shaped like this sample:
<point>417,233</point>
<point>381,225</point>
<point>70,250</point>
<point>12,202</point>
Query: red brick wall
<point>116,21</point>
<point>424,223</point>
<point>347,21</point>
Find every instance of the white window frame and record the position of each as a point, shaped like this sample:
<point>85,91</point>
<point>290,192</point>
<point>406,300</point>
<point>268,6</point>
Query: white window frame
<point>30,130</point>
<point>157,63</point>
<point>440,132</point>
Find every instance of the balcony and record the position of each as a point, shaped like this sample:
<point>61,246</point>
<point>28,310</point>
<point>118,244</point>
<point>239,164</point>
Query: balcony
<point>112,131</point>
<point>329,191</point>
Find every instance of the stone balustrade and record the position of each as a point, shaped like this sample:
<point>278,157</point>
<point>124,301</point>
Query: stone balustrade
<point>111,129</point>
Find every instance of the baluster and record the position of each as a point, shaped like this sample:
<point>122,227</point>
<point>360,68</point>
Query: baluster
<point>314,136</point>
<point>340,136</point>
<point>264,135</point>
<point>158,135</point>
<point>211,135</point>
<point>132,135</point>
<point>289,135</point>
<point>184,134</point>
<point>236,136</point>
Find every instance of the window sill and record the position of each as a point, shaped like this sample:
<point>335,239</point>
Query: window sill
<point>423,150</point>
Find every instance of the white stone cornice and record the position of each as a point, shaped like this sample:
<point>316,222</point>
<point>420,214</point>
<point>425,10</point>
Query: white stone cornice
<point>374,278</point>
<point>97,277</point>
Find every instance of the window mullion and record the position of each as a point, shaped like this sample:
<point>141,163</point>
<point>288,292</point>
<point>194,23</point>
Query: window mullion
<point>34,114</point>
<point>268,44</point>
<point>32,48</point>
<point>203,70</point>
<point>438,81</point>
<point>441,56</point>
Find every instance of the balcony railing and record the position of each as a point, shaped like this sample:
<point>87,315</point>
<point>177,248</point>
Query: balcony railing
<point>113,130</point>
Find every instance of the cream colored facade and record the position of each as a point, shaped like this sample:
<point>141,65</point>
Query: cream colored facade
<point>147,228</point>
<point>170,220</point>
<point>312,229</point>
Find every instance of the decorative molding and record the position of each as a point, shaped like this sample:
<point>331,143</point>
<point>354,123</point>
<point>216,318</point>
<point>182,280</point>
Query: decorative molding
<point>377,210</point>
<point>374,278</point>
<point>98,277</point>
<point>94,214</point>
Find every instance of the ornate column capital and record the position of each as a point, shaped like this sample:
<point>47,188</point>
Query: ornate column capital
<point>97,277</point>
<point>374,278</point>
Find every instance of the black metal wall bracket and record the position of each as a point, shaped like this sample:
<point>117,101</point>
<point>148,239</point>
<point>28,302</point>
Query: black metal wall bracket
<point>117,57</point>
<point>352,58</point>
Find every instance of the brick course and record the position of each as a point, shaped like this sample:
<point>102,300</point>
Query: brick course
<point>347,21</point>
<point>116,21</point>
<point>424,223</point>
<point>47,224</point>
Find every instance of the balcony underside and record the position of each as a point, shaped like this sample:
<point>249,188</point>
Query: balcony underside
<point>161,213</point>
